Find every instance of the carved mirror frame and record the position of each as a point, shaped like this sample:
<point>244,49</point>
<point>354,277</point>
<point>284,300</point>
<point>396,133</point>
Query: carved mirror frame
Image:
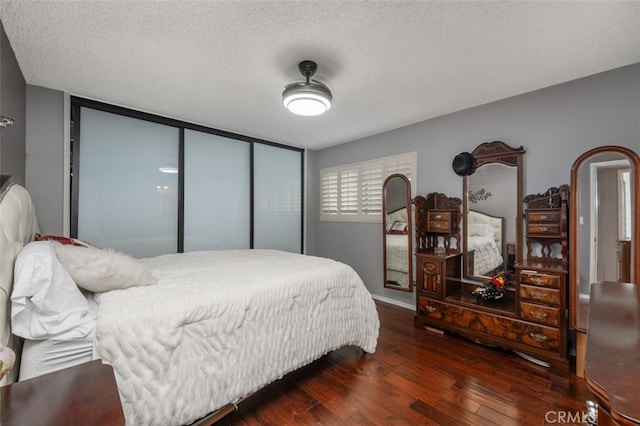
<point>397,231</point>
<point>485,154</point>
<point>581,236</point>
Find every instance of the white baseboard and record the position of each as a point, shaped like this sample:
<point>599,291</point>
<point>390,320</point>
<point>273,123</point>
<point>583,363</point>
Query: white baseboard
<point>394,302</point>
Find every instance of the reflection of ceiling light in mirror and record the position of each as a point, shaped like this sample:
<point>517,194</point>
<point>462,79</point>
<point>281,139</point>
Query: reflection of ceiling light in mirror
<point>168,169</point>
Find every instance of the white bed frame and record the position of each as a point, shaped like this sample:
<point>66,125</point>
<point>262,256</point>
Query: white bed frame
<point>18,226</point>
<point>496,222</point>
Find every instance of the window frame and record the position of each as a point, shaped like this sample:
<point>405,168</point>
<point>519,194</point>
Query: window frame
<point>368,191</point>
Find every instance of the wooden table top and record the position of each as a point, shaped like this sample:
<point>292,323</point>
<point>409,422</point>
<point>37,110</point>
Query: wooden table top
<point>82,395</point>
<point>612,363</point>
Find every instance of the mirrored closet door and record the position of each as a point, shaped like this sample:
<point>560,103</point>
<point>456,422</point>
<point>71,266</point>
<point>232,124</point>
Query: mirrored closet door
<point>147,185</point>
<point>215,215</point>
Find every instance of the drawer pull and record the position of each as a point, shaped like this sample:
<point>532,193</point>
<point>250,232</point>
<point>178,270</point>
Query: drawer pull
<point>537,279</point>
<point>430,308</point>
<point>438,216</point>
<point>539,315</point>
<point>544,217</point>
<point>540,338</point>
<point>543,228</point>
<point>537,295</point>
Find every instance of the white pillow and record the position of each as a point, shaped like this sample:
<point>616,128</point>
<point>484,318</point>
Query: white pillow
<point>45,302</point>
<point>99,270</point>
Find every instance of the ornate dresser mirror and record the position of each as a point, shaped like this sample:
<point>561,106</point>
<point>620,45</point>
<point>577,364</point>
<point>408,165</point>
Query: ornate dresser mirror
<point>396,233</point>
<point>492,210</point>
<point>605,224</point>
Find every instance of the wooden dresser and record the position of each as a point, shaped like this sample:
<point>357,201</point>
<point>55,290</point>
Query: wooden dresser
<point>543,277</point>
<point>531,318</point>
<point>437,225</point>
<point>612,364</point>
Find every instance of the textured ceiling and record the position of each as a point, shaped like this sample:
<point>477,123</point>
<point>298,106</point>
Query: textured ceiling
<point>224,64</point>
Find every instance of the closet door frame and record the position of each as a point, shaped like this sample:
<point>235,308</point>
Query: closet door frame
<point>77,103</point>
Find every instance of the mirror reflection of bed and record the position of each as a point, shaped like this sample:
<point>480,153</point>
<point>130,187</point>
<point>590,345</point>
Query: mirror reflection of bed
<point>485,244</point>
<point>397,252</point>
<point>491,215</point>
<point>397,237</point>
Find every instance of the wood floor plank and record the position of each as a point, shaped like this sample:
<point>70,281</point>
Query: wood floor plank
<point>492,416</point>
<point>441,415</point>
<point>415,377</point>
<point>328,398</point>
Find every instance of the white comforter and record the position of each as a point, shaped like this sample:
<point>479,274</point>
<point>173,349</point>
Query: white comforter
<point>486,255</point>
<point>397,252</point>
<point>220,325</point>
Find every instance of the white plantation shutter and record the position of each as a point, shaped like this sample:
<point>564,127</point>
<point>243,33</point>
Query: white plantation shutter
<point>349,192</point>
<point>371,181</point>
<point>330,193</point>
<point>353,192</point>
<point>402,164</point>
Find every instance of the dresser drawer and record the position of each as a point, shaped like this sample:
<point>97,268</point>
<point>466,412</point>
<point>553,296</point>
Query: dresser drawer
<point>539,294</point>
<point>439,221</point>
<point>511,329</point>
<point>537,278</point>
<point>538,313</point>
<point>543,228</point>
<point>428,307</point>
<point>543,216</point>
<point>439,227</point>
<point>438,216</point>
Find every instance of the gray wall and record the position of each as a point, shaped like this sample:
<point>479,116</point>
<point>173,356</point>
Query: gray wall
<point>45,168</point>
<point>12,104</point>
<point>554,125</point>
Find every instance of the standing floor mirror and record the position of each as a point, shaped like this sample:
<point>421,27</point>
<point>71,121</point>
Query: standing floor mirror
<point>396,233</point>
<point>604,224</point>
<point>605,228</point>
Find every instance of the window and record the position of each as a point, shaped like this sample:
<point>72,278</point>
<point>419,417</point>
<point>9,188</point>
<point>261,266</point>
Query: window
<point>353,192</point>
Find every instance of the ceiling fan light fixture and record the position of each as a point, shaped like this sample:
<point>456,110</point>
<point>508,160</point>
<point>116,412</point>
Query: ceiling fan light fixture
<point>307,98</point>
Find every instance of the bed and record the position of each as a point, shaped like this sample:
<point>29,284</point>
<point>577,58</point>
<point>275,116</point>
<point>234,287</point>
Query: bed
<point>485,238</point>
<point>211,329</point>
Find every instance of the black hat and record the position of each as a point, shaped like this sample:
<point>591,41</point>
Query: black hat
<point>462,163</point>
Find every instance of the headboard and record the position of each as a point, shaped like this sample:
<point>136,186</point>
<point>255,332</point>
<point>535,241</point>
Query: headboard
<point>496,222</point>
<point>18,226</point>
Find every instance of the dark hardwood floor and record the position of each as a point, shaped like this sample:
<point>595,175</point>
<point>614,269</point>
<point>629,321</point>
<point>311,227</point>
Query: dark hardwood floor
<point>417,378</point>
